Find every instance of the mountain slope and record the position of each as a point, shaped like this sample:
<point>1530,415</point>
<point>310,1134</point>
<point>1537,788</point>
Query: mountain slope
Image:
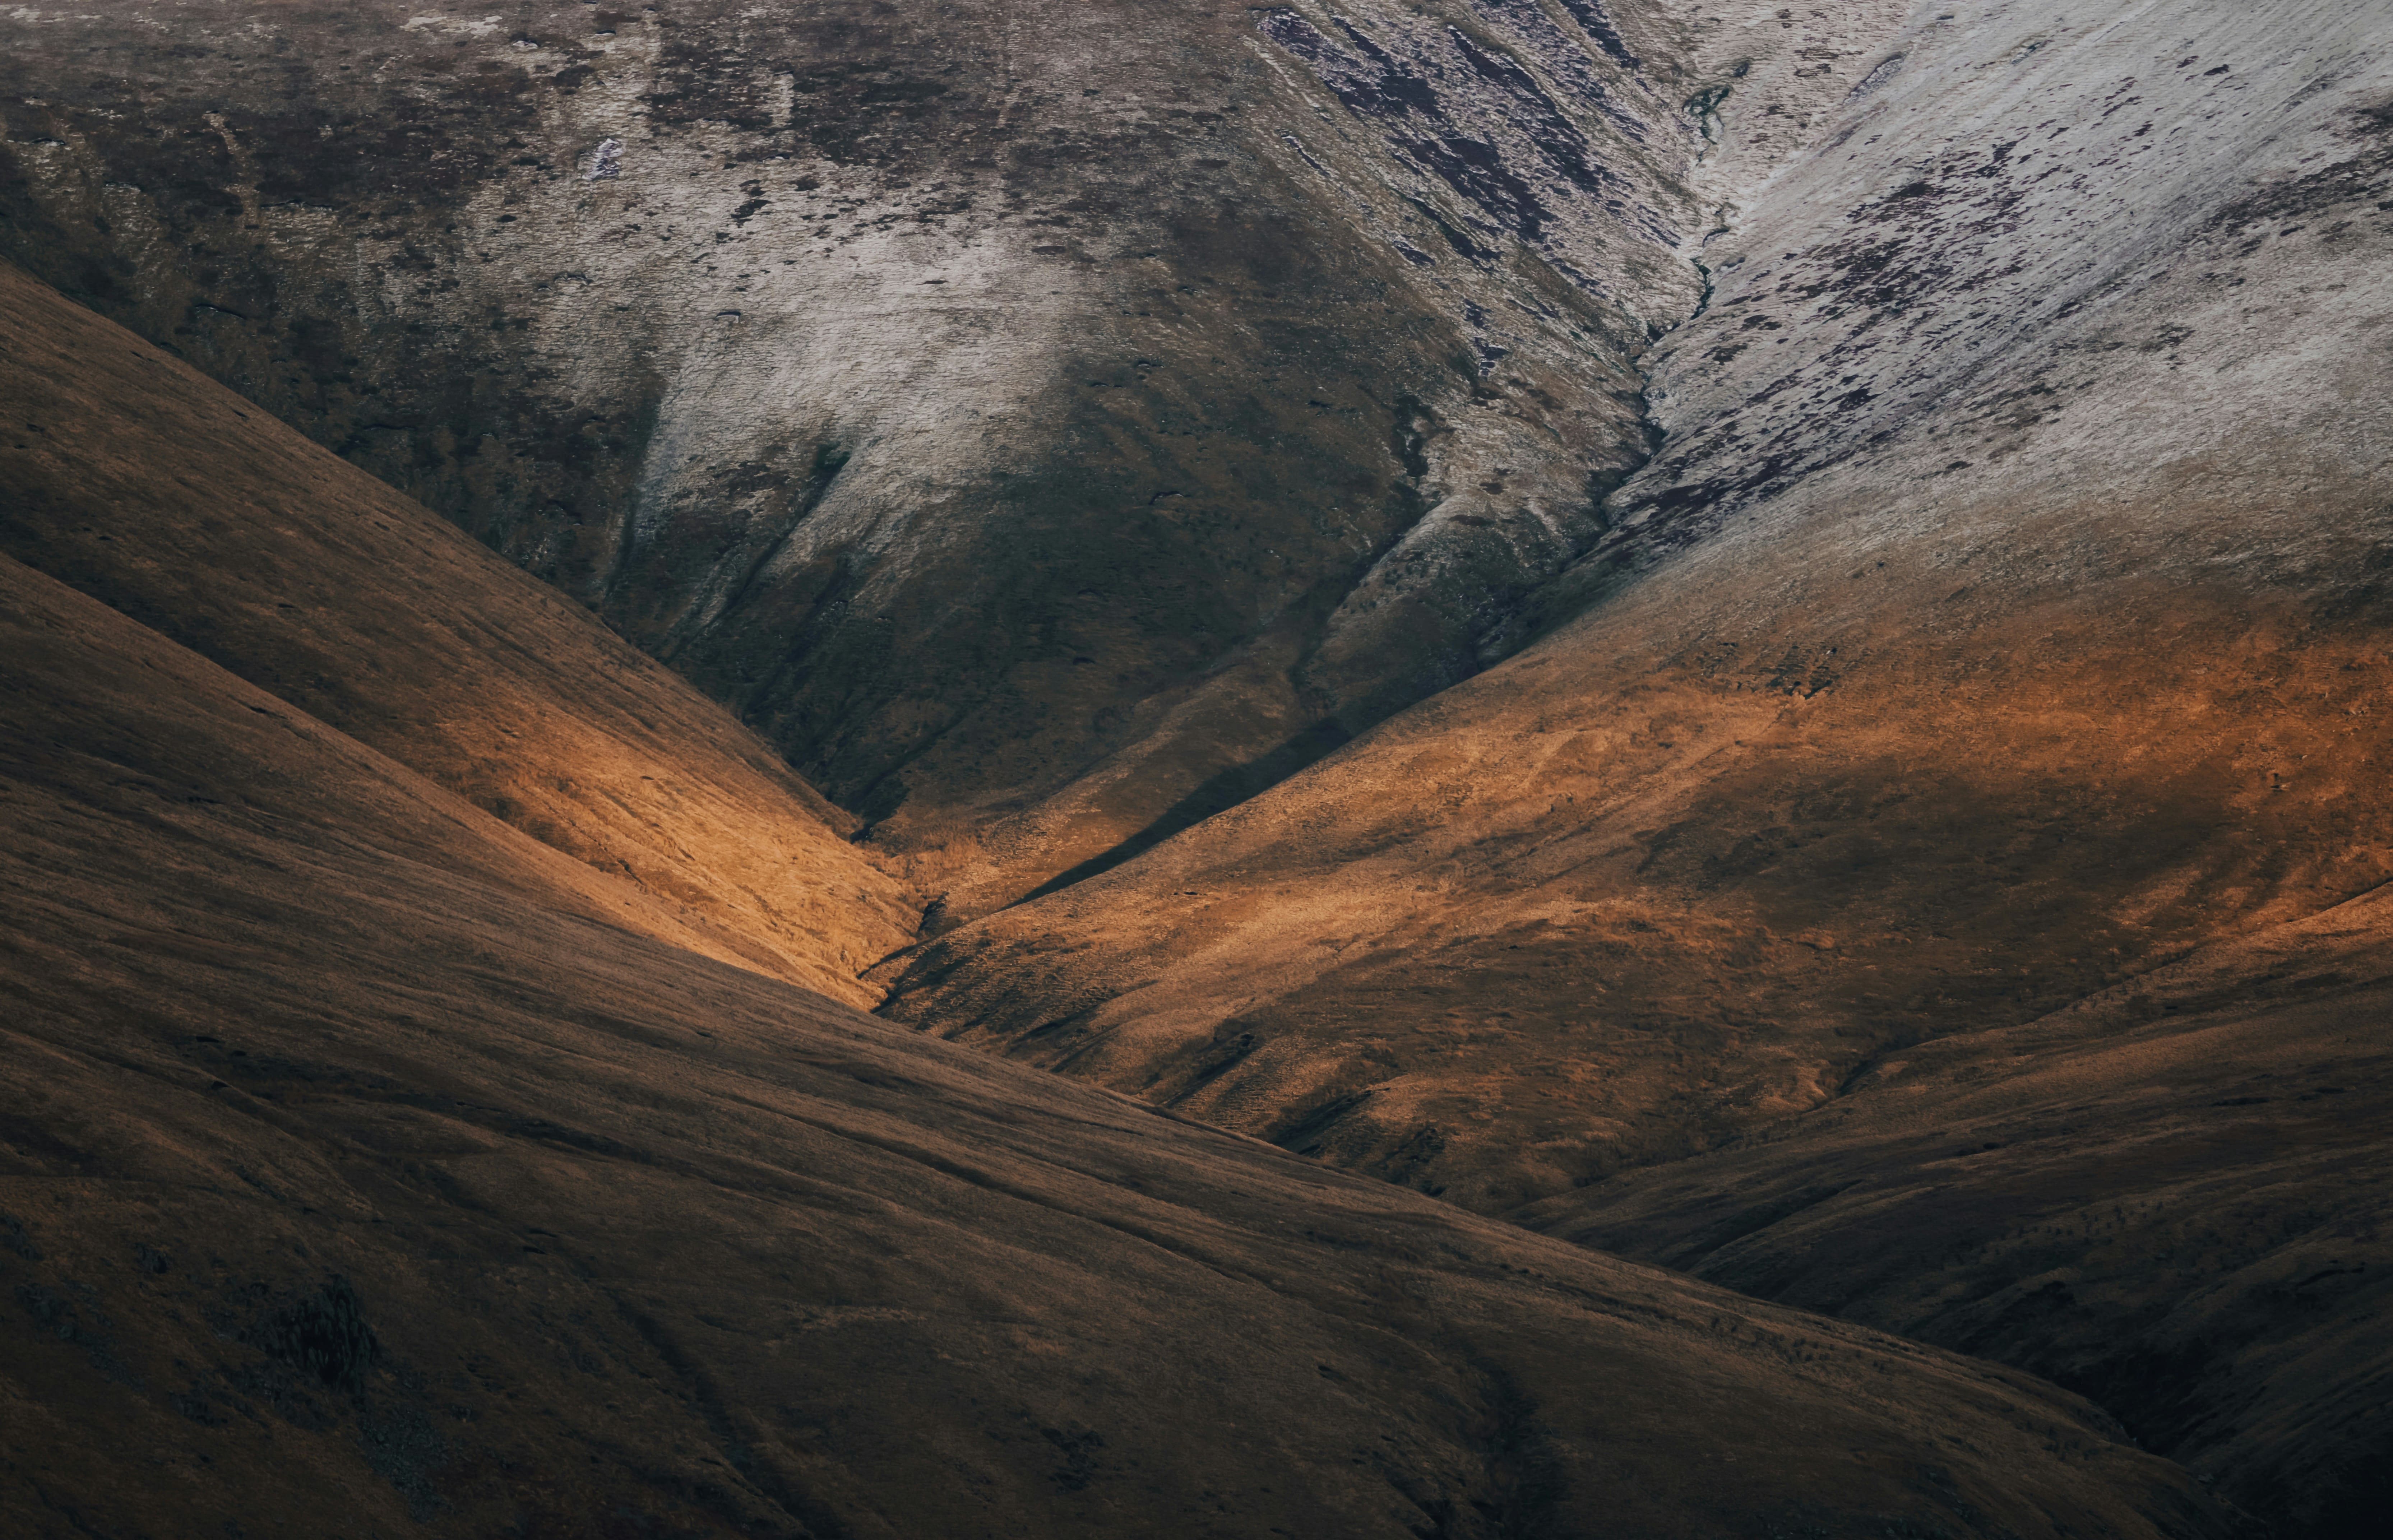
<point>1047,426</point>
<point>137,480</point>
<point>2172,1196</point>
<point>1980,652</point>
<point>2002,619</point>
<point>347,1164</point>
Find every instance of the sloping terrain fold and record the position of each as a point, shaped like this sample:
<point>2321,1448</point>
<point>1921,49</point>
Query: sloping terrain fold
<point>126,474</point>
<point>360,1156</point>
<point>2002,622</point>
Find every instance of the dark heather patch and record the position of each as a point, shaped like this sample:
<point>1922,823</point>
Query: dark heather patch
<point>324,1334</point>
<point>1591,18</point>
<point>14,1237</point>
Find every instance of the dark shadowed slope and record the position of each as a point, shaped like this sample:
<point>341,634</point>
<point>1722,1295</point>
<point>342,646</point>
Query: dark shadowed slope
<point>2175,1196</point>
<point>2004,618</point>
<point>129,475</point>
<point>351,1171</point>
<point>1047,421</point>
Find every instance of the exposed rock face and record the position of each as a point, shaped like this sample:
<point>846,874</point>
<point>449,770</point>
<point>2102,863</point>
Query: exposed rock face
<point>360,1156</point>
<point>2003,618</point>
<point>1047,425</point>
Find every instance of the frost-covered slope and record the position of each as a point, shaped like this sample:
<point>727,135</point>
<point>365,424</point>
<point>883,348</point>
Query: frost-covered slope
<point>1048,422</point>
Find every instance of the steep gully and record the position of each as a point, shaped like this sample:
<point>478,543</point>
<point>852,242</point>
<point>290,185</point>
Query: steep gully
<point>1391,93</point>
<point>1380,90</point>
<point>1501,635</point>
